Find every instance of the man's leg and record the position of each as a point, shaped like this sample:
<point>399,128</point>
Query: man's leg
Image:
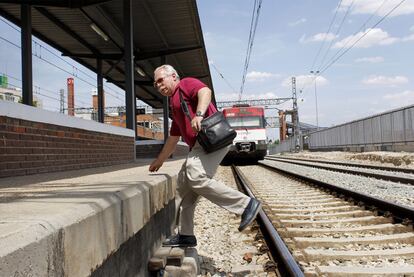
<point>200,168</point>
<point>185,202</point>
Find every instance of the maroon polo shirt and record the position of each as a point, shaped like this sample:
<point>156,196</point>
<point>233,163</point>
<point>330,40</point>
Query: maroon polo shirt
<point>181,125</point>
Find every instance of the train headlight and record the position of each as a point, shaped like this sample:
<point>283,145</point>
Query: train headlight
<point>261,141</point>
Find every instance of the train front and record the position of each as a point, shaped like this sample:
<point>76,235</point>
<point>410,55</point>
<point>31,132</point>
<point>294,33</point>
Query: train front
<point>249,123</point>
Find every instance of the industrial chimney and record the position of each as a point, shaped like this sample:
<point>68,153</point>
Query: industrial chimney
<point>71,97</point>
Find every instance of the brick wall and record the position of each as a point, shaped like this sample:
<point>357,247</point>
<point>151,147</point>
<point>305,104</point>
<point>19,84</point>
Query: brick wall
<point>28,147</point>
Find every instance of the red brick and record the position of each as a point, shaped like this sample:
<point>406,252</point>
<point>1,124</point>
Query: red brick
<point>13,158</point>
<point>19,129</point>
<point>13,165</point>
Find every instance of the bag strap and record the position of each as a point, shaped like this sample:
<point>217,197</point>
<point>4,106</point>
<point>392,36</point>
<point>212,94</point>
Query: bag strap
<point>184,105</point>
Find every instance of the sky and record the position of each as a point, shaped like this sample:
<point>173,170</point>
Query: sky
<point>373,76</point>
<point>292,38</point>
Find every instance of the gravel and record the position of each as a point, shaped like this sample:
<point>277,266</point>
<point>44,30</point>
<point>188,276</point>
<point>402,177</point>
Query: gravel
<point>222,249</point>
<point>397,159</point>
<point>393,192</point>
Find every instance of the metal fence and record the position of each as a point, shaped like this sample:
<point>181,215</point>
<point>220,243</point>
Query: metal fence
<point>391,131</point>
<point>284,146</point>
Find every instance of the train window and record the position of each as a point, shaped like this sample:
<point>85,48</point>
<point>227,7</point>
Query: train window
<point>245,121</point>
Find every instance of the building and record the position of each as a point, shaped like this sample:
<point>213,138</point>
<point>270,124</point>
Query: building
<point>14,94</point>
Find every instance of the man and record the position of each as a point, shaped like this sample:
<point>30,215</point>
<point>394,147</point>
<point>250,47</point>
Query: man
<point>196,175</point>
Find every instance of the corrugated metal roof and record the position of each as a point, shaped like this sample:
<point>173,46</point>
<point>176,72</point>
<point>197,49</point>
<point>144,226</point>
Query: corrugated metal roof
<point>159,27</point>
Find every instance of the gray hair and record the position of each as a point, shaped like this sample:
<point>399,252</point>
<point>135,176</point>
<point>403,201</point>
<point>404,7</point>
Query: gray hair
<point>168,70</point>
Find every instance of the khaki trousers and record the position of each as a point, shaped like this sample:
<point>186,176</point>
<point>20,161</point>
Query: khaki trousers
<point>195,179</point>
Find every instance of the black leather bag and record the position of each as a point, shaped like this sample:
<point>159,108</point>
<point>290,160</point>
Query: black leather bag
<point>216,132</point>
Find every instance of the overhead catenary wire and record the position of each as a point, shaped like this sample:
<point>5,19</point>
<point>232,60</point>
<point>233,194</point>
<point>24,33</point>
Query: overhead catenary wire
<point>75,69</point>
<point>253,25</point>
<point>337,56</point>
<point>362,36</point>
<point>225,80</point>
<point>37,89</point>
<point>37,55</point>
<point>316,71</point>
<point>326,34</point>
<point>336,34</point>
<point>41,47</point>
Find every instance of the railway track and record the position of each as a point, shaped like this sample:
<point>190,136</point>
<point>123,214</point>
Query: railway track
<point>401,175</point>
<point>311,230</point>
<point>359,165</point>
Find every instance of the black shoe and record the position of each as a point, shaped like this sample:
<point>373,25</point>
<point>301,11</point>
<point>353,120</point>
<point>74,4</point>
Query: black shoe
<point>250,213</point>
<point>180,241</point>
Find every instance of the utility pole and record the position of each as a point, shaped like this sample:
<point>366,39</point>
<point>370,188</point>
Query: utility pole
<point>62,101</point>
<point>316,73</point>
<point>295,116</point>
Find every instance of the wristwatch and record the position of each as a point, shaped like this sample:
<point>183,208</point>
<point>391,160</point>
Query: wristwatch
<point>199,113</point>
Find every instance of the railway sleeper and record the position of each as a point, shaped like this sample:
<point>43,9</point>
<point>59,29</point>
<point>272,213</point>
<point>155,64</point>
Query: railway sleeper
<point>357,213</point>
<point>387,228</point>
<point>307,197</point>
<point>308,205</point>
<point>285,200</point>
<point>350,271</point>
<point>343,208</point>
<point>303,242</point>
<point>359,220</point>
<point>297,194</point>
<point>312,255</point>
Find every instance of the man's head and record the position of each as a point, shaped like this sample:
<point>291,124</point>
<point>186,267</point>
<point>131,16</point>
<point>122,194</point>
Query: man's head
<point>165,79</point>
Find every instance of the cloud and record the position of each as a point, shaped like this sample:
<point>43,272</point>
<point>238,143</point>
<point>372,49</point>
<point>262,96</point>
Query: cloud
<point>385,81</point>
<point>297,22</point>
<point>400,99</point>
<point>412,28</point>
<point>370,60</point>
<point>305,81</point>
<point>371,7</point>
<point>408,38</point>
<point>373,37</point>
<point>255,76</point>
<point>318,37</point>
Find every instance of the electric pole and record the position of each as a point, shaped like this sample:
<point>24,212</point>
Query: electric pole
<point>295,116</point>
<point>62,101</point>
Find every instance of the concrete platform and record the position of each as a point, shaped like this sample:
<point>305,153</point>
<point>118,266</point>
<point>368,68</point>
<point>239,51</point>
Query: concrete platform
<point>72,223</point>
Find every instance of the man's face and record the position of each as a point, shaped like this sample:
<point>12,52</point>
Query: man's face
<point>164,83</point>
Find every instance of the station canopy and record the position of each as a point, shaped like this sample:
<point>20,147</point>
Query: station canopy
<point>87,30</point>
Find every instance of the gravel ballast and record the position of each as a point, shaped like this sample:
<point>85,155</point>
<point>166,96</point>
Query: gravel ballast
<point>222,249</point>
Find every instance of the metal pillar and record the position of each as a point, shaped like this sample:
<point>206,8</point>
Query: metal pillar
<point>27,66</point>
<point>129,66</point>
<point>129,70</point>
<point>101,115</point>
<point>166,108</point>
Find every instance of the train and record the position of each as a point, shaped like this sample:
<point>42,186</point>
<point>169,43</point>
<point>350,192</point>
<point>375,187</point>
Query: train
<point>250,125</point>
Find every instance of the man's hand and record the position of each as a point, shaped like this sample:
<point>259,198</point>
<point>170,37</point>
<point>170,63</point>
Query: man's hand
<point>196,123</point>
<point>155,165</point>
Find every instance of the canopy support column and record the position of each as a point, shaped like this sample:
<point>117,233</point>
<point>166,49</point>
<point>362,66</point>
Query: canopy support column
<point>27,65</point>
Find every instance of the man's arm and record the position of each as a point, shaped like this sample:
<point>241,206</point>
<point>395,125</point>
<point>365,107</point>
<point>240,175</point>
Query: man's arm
<point>166,151</point>
<point>204,99</point>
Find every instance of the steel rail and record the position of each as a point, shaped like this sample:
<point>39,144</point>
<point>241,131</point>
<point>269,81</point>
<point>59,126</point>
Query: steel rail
<point>370,166</point>
<point>286,262</point>
<point>399,212</point>
<point>386,177</point>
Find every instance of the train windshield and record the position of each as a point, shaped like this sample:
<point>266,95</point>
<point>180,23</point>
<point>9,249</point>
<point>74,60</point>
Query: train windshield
<point>246,122</point>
